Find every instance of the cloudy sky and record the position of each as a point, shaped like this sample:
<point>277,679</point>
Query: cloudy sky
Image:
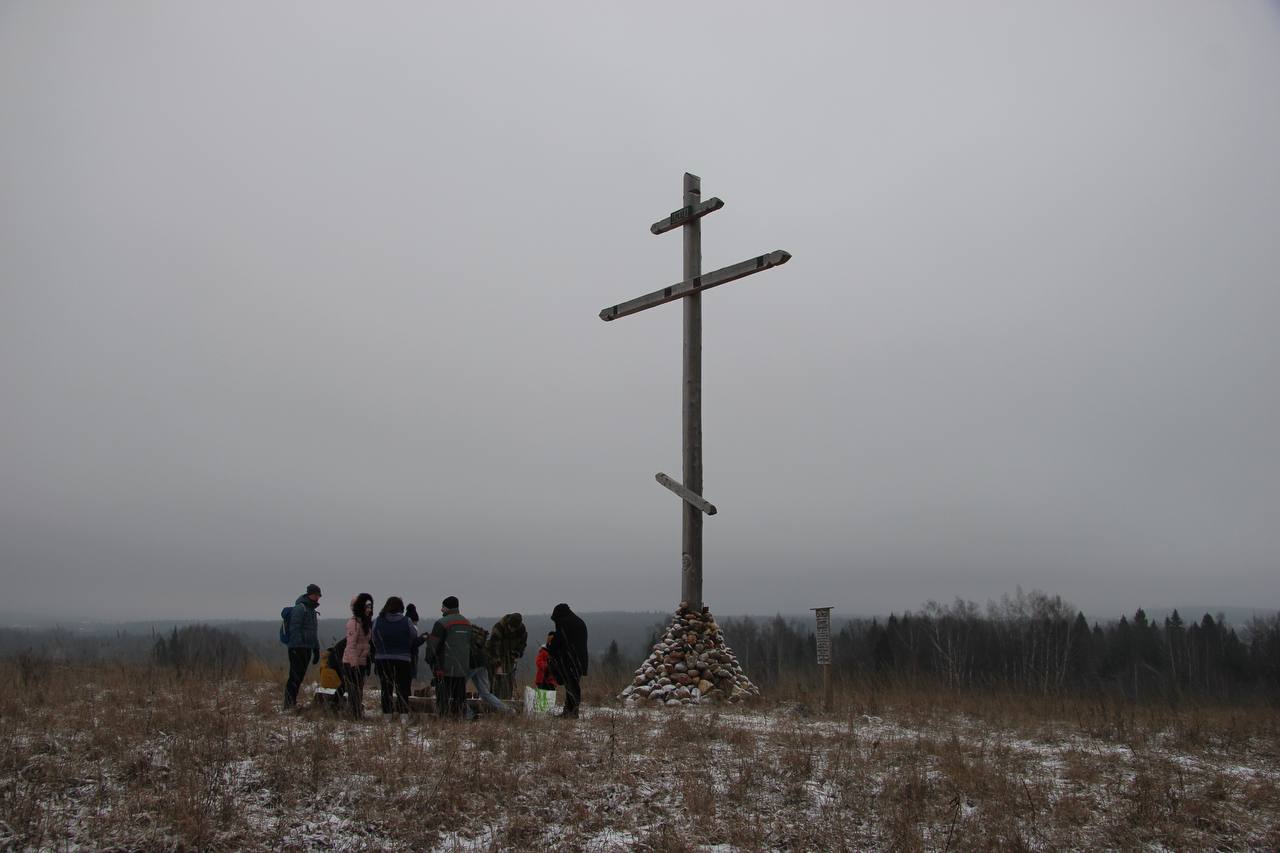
<point>305,292</point>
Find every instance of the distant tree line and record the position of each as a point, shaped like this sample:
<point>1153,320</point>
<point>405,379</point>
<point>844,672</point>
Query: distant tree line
<point>1030,642</point>
<point>62,645</point>
<point>192,648</point>
<point>201,650</point>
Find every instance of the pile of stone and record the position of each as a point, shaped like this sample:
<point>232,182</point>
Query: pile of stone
<point>689,665</point>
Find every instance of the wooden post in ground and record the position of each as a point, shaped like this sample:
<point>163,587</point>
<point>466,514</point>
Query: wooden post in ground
<point>822,638</point>
<point>691,407</point>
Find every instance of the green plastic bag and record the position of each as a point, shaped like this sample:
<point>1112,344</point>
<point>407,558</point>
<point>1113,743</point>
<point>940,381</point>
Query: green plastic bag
<point>537,701</point>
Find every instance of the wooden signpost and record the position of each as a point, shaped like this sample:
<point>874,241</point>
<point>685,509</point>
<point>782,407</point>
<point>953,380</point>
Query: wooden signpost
<point>822,636</point>
<point>689,290</point>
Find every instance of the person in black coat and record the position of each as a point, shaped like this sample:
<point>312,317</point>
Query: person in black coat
<point>568,652</point>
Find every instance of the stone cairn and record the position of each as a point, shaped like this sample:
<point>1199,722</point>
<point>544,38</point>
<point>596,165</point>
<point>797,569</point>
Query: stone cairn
<point>690,665</point>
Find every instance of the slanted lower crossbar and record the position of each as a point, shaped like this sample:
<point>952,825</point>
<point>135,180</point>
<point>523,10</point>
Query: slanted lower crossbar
<point>693,499</point>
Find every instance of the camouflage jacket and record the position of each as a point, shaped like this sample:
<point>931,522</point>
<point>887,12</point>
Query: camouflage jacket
<point>507,641</point>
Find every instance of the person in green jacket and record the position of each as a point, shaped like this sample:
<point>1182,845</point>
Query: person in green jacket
<point>449,651</point>
<point>507,642</point>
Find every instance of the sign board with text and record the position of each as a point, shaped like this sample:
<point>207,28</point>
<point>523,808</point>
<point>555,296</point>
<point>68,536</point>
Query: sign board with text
<point>823,634</point>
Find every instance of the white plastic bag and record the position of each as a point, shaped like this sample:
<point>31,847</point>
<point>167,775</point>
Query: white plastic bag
<point>538,701</point>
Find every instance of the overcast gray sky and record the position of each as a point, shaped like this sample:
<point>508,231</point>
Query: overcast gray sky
<point>308,292</point>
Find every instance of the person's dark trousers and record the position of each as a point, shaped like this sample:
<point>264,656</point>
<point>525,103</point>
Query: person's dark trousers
<point>353,680</point>
<point>299,659</point>
<point>572,696</point>
<point>404,684</point>
<point>394,677</point>
<point>502,685</point>
<point>451,695</point>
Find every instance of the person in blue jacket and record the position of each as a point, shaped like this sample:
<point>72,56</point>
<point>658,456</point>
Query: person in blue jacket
<point>304,642</point>
<point>393,650</point>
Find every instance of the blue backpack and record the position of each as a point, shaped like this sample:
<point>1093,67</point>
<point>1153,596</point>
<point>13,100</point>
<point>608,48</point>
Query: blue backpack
<point>285,615</point>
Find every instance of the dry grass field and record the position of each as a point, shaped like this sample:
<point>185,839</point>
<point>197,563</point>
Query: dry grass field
<point>131,758</point>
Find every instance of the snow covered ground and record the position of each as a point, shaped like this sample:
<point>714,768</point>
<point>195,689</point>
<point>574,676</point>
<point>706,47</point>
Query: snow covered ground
<point>93,760</point>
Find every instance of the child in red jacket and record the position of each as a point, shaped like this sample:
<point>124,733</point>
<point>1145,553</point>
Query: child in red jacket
<point>543,679</point>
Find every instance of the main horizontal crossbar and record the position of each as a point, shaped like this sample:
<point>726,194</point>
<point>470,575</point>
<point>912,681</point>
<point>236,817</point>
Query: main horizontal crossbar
<point>696,284</point>
<point>689,495</point>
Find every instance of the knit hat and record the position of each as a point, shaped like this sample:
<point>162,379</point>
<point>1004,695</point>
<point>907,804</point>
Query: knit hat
<point>312,589</point>
<point>450,603</point>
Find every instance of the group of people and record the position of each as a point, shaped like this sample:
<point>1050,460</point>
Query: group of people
<point>455,649</point>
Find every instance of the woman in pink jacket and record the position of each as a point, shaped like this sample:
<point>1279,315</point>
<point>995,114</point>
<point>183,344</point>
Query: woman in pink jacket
<point>355,659</point>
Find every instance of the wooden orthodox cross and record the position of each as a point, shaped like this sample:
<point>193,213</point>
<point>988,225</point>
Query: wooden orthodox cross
<point>690,291</point>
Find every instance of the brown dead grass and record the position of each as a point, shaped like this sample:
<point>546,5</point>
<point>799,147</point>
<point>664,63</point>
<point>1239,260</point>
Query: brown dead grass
<point>135,758</point>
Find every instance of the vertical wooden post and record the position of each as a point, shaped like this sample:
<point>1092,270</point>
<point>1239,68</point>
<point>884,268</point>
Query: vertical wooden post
<point>828,692</point>
<point>691,529</point>
<point>689,292</point>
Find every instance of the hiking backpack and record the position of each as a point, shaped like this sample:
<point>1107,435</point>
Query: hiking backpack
<point>335,653</point>
<point>285,615</point>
